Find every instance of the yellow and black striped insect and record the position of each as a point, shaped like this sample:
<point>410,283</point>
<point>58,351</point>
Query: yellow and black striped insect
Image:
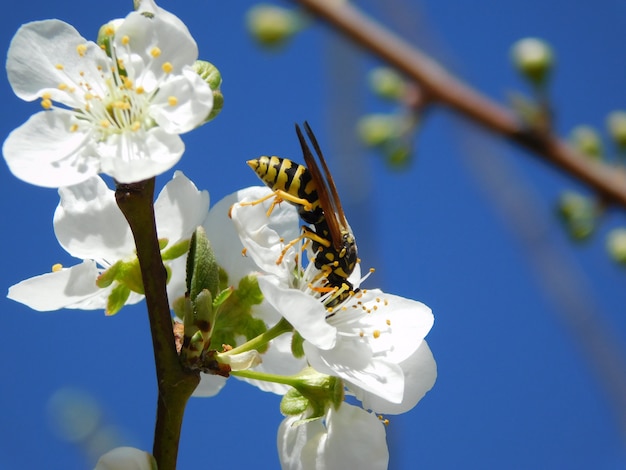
<point>315,196</point>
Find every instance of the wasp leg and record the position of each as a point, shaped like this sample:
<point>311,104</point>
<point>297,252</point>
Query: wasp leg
<point>279,196</point>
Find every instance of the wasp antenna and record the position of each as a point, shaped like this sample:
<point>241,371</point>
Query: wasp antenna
<point>331,183</point>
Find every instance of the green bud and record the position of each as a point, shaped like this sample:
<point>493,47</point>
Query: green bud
<point>202,268</point>
<point>204,314</point>
<point>616,122</point>
<point>272,26</point>
<point>314,392</point>
<point>578,214</point>
<point>387,83</point>
<point>586,140</point>
<point>376,130</point>
<point>616,245</point>
<point>211,75</point>
<point>534,59</point>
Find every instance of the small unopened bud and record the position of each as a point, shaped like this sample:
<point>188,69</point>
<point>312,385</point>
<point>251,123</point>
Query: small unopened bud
<point>210,74</point>
<point>376,130</point>
<point>272,26</point>
<point>616,245</point>
<point>578,214</point>
<point>533,58</point>
<point>587,141</point>
<point>616,122</point>
<point>387,83</point>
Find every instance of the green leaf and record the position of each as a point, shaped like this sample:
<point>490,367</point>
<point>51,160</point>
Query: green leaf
<point>202,268</point>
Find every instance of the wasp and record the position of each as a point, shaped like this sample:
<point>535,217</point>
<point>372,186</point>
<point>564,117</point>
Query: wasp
<point>313,192</point>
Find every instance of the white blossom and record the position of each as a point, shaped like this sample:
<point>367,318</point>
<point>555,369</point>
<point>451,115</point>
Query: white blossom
<point>349,437</point>
<point>89,226</point>
<point>119,114</point>
<point>374,341</point>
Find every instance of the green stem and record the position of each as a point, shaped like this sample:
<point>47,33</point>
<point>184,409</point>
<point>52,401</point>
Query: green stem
<point>175,384</point>
<point>279,379</point>
<point>283,326</point>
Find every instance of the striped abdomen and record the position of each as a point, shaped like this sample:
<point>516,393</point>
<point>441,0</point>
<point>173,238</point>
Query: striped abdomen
<point>281,174</point>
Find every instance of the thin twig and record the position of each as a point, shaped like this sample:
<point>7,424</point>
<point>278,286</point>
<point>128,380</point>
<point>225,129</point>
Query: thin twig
<point>443,87</point>
<point>175,384</point>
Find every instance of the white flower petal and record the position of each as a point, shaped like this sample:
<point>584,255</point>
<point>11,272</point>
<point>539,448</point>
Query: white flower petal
<point>293,438</point>
<point>264,241</point>
<point>89,225</point>
<point>180,208</point>
<point>126,458</point>
<point>356,439</point>
<point>45,152</point>
<point>183,103</point>
<point>278,359</point>
<point>175,46</point>
<point>352,438</point>
<point>420,373</point>
<point>221,231</point>
<point>352,361</point>
<point>73,287</point>
<point>43,55</point>
<point>209,386</point>
<point>140,155</point>
<point>305,313</point>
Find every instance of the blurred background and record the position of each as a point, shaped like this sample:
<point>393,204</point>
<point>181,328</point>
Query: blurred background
<point>530,327</point>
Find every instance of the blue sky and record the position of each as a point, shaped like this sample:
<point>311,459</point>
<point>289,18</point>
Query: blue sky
<point>468,229</point>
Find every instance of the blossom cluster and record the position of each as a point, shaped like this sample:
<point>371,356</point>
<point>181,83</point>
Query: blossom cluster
<point>117,107</point>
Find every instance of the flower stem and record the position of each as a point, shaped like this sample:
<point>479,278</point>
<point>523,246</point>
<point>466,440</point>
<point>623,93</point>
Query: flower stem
<point>283,326</point>
<point>265,377</point>
<point>175,384</point>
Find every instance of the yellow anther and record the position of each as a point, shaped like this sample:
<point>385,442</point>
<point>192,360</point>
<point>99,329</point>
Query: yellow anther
<point>104,123</point>
<point>386,303</point>
<point>155,52</point>
<point>371,269</point>
<point>73,127</point>
<point>125,40</point>
<point>59,66</point>
<point>62,86</point>
<point>139,90</point>
<point>88,96</point>
<point>46,104</point>
<point>376,334</point>
<point>172,100</point>
<point>109,30</point>
<point>361,334</point>
<point>128,83</point>
<point>81,49</point>
<point>167,67</point>
<point>388,322</point>
<point>135,126</point>
<point>57,267</point>
<point>244,252</point>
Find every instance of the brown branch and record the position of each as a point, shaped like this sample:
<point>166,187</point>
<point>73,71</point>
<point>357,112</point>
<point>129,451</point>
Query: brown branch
<point>609,184</point>
<point>175,384</point>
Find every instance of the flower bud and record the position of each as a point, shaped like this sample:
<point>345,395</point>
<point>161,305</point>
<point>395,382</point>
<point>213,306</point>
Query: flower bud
<point>616,245</point>
<point>272,26</point>
<point>587,141</point>
<point>533,58</point>
<point>210,74</point>
<point>376,130</point>
<point>616,122</point>
<point>387,83</point>
<point>578,214</point>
